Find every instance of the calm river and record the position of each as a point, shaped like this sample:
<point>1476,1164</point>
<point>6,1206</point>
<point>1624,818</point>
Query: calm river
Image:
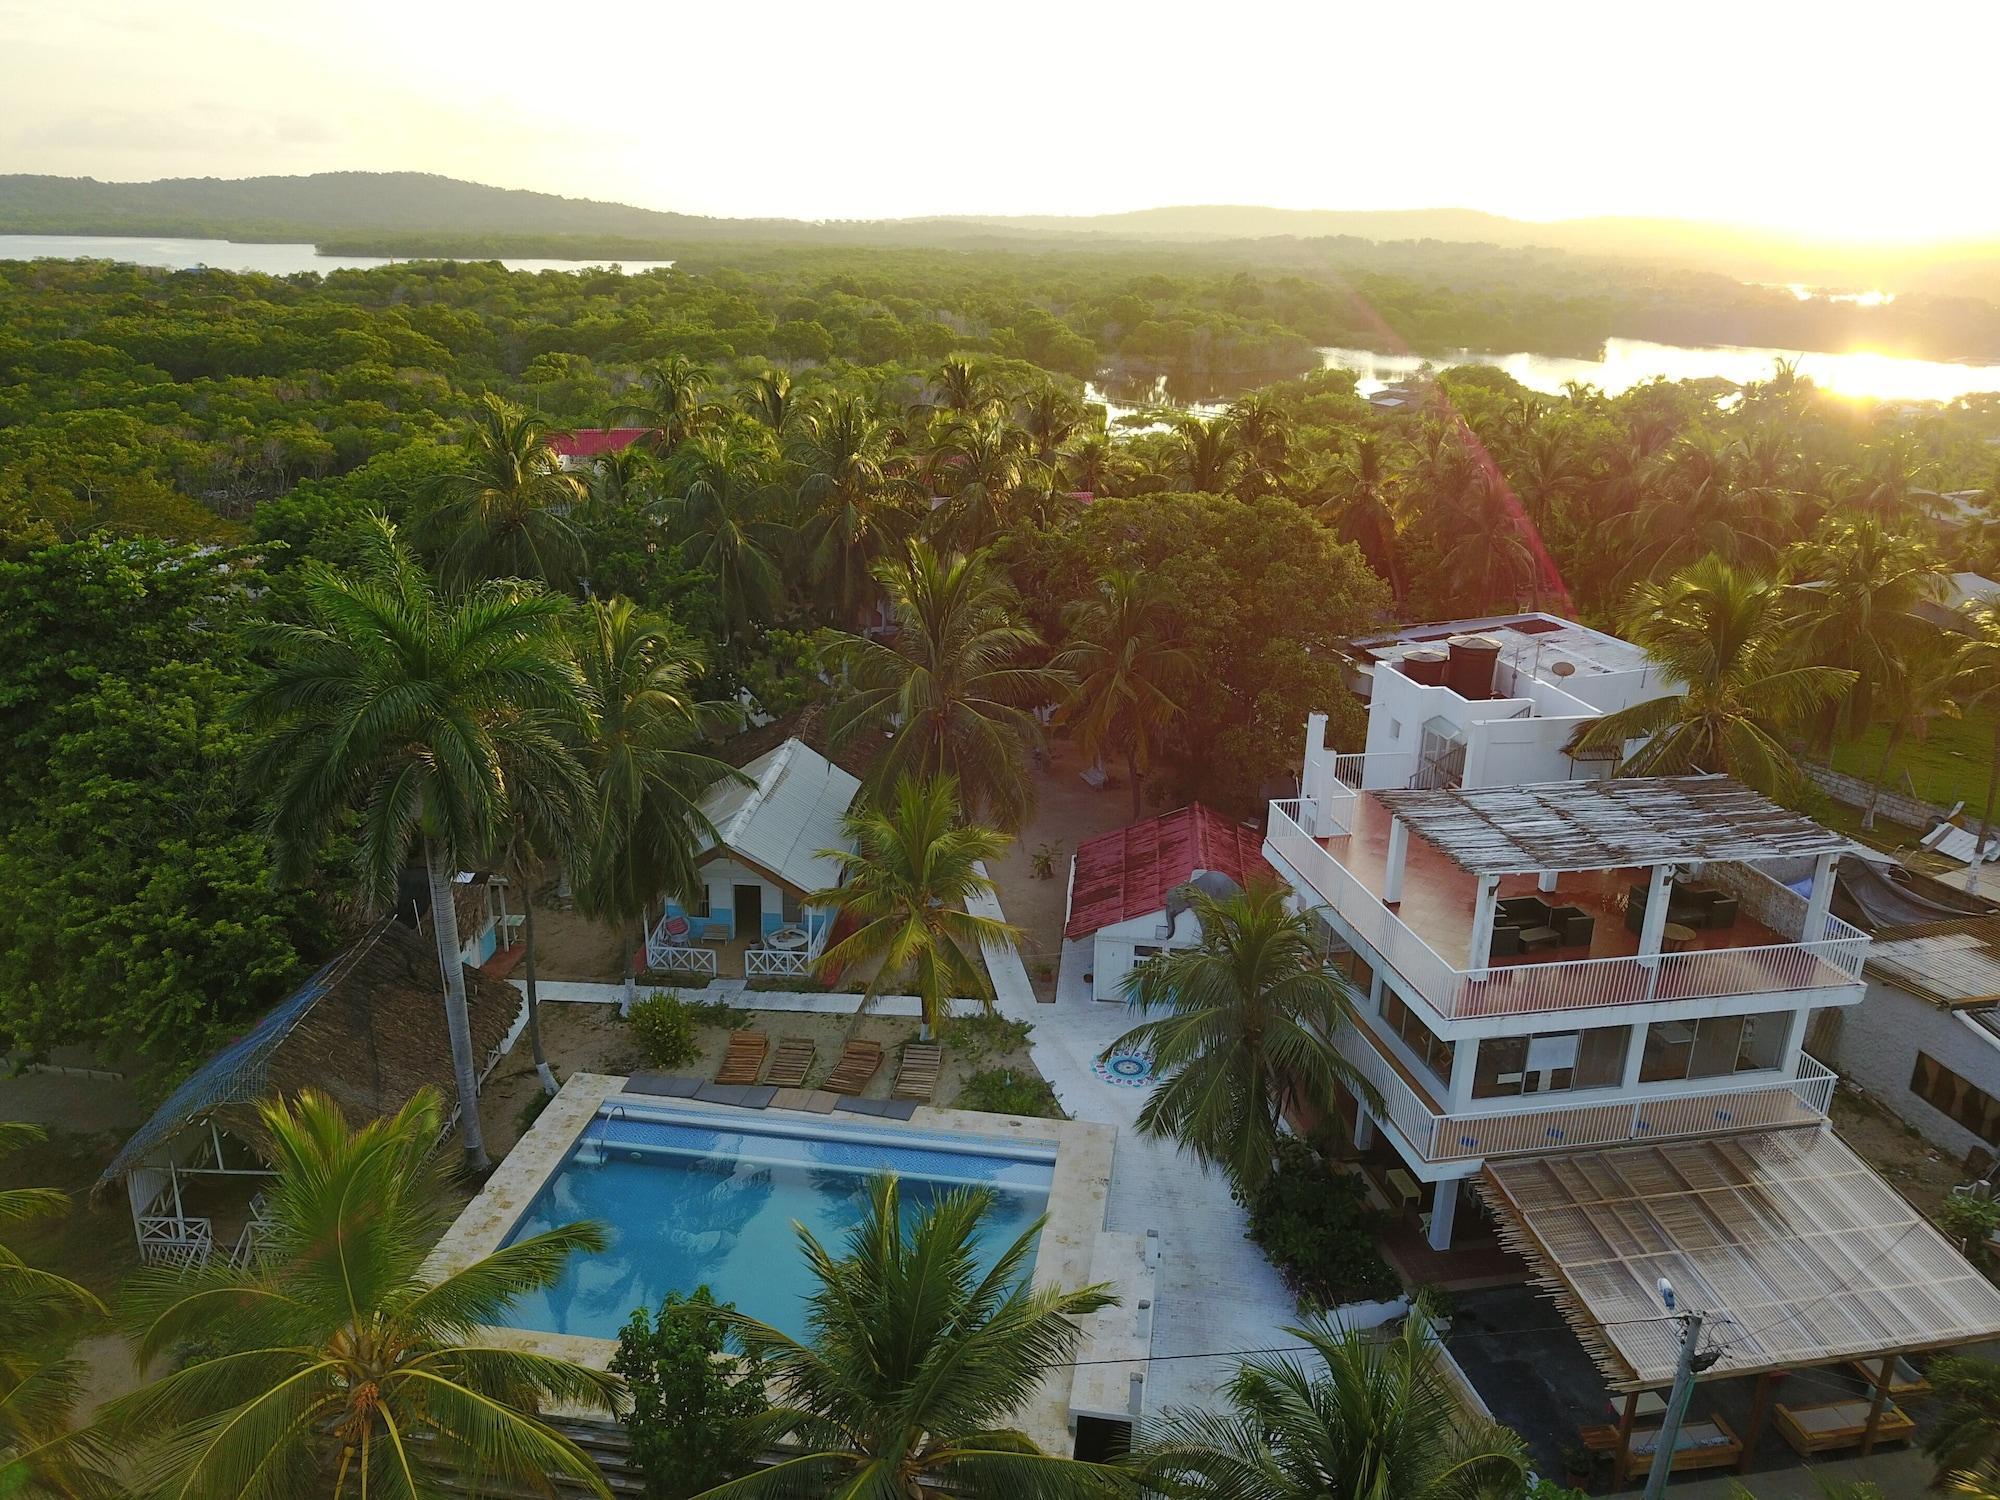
<point>229,255</point>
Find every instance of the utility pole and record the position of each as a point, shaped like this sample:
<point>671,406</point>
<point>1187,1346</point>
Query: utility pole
<point>1692,1363</point>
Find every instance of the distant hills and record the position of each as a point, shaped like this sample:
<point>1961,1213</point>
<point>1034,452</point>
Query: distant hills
<point>417,212</point>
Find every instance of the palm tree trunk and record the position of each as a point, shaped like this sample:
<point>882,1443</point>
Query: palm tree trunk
<point>1882,775</point>
<point>543,1071</point>
<point>1132,775</point>
<point>444,925</point>
<point>632,965</point>
<point>1986,818</point>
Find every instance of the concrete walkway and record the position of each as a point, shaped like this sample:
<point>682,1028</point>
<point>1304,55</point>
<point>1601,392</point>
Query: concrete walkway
<point>1216,1292</point>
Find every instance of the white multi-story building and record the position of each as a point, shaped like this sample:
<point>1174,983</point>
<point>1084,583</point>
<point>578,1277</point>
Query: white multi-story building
<point>1553,960</point>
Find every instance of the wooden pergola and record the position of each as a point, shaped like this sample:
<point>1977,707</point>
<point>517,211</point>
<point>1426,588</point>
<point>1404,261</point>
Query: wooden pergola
<point>1794,1249</point>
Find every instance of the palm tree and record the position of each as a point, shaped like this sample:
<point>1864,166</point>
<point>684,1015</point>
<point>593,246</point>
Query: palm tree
<point>1361,509</point>
<point>1695,504</point>
<point>1207,454</point>
<point>856,514</point>
<point>960,389</point>
<point>1979,664</point>
<point>951,688</point>
<point>647,777</point>
<point>769,399</point>
<point>906,882</point>
<point>718,511</point>
<point>1051,416</point>
<point>978,467</point>
<point>667,400</point>
<point>40,1312</point>
<point>1098,466</point>
<point>1923,675</point>
<point>1487,559</point>
<point>1858,586</point>
<point>1251,1014</point>
<point>1727,635</point>
<point>507,512</point>
<point>334,1365</point>
<point>1127,667</point>
<point>914,1357</point>
<point>1967,1430</point>
<point>410,711</point>
<point>1375,1421</point>
<point>1262,434</point>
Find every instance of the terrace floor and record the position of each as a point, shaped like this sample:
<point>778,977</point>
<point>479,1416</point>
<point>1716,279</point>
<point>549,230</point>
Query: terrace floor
<point>1438,897</point>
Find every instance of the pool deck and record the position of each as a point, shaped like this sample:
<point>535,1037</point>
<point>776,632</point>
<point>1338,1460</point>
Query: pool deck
<point>1078,1197</point>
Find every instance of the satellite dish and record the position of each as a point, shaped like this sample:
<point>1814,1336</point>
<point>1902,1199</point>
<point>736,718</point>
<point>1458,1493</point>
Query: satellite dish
<point>1563,668</point>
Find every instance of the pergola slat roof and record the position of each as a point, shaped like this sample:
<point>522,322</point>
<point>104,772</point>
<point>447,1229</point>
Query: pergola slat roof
<point>1795,1249</point>
<point>1606,825</point>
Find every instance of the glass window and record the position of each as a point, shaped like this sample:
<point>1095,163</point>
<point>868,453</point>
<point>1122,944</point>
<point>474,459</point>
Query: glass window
<point>1500,1071</point>
<point>1713,1047</point>
<point>790,905</point>
<point>1552,1062</point>
<point>1946,1092</point>
<point>1431,1049</point>
<point>699,906</point>
<point>1600,1057</point>
<point>1763,1041</point>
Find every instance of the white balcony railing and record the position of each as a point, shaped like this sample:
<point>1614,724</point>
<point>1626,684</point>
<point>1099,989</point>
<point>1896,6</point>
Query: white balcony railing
<point>678,958</point>
<point>780,963</point>
<point>1715,1109</point>
<point>1832,960</point>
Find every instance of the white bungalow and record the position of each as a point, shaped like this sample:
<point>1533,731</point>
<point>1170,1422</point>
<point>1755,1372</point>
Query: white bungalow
<point>765,861</point>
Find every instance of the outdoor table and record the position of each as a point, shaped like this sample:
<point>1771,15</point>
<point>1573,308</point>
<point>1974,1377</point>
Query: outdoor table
<point>790,939</point>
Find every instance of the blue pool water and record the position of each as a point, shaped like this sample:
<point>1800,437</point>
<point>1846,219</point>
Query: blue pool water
<point>688,1202</point>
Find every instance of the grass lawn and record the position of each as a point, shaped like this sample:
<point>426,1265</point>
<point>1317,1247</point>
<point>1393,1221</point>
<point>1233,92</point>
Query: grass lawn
<point>1950,766</point>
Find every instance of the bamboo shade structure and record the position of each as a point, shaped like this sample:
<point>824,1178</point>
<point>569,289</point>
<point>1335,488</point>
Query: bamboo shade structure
<point>1606,825</point>
<point>1795,1249</point>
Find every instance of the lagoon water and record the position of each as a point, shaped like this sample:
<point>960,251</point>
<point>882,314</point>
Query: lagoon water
<point>231,255</point>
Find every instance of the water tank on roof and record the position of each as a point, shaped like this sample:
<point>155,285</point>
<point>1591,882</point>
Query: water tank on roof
<point>1469,673</point>
<point>1426,666</point>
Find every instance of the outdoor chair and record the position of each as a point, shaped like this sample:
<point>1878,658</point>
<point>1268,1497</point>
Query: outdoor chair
<point>917,1073</point>
<point>791,1062</point>
<point>1721,914</point>
<point>1576,926</point>
<point>744,1058</point>
<point>859,1062</point>
<point>1506,942</point>
<point>1524,911</point>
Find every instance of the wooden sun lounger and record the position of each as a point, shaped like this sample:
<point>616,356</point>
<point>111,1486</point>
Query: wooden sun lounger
<point>1827,1425</point>
<point>791,1062</point>
<point>1705,1443</point>
<point>859,1062</point>
<point>1907,1380</point>
<point>745,1058</point>
<point>917,1073</point>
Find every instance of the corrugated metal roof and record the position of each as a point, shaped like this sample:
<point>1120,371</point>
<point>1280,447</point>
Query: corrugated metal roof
<point>789,812</point>
<point>1132,870</point>
<point>1953,963</point>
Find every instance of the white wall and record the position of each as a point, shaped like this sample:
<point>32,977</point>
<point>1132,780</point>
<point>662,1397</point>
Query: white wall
<point>1877,1045</point>
<point>1114,948</point>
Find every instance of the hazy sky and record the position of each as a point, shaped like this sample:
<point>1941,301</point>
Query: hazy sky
<point>1873,120</point>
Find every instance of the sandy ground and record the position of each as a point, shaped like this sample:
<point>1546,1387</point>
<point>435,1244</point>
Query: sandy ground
<point>1919,1171</point>
<point>569,945</point>
<point>1067,812</point>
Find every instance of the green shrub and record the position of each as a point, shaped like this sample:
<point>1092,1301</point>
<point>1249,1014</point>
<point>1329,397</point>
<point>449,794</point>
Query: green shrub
<point>1009,1091</point>
<point>665,1025</point>
<point>1316,1227</point>
<point>987,1034</point>
<point>690,1413</point>
<point>1971,1221</point>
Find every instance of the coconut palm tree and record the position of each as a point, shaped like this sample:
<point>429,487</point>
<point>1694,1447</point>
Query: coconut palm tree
<point>1923,676</point>
<point>410,710</point>
<point>1050,416</point>
<point>1096,465</point>
<point>1263,439</point>
<point>952,689</point>
<point>647,774</point>
<point>957,387</point>
<point>1249,1021</point>
<point>1207,457</point>
<point>40,1315</point>
<point>719,511</point>
<point>1359,504</point>
<point>1695,504</point>
<point>1857,588</point>
<point>667,400</point>
<point>856,513</point>
<point>906,883</point>
<point>1728,636</point>
<point>769,400</point>
<point>1128,669</point>
<point>507,511</point>
<point>1966,1433</point>
<point>1979,666</point>
<point>334,1365</point>
<point>1374,1421</point>
<point>1487,560</point>
<point>978,467</point>
<point>913,1358</point>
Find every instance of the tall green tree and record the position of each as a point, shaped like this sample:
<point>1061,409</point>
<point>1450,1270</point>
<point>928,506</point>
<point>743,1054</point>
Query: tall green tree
<point>1728,635</point>
<point>401,710</point>
<point>1129,667</point>
<point>913,1359</point>
<point>1979,669</point>
<point>1924,678</point>
<point>41,1315</point>
<point>507,512</point>
<point>979,468</point>
<point>667,399</point>
<point>954,688</point>
<point>906,885</point>
<point>856,515</point>
<point>1244,1023</point>
<point>1206,455</point>
<point>769,399</point>
<point>648,770</point>
<point>335,1365</point>
<point>720,508</point>
<point>1367,1420</point>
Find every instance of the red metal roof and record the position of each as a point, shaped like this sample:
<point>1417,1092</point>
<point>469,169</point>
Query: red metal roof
<point>1129,872</point>
<point>595,440</point>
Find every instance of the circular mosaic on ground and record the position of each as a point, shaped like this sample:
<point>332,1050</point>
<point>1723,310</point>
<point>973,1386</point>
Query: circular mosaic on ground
<point>1127,1069</point>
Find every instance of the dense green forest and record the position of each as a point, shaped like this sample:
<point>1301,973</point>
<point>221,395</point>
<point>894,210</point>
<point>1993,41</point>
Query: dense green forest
<point>182,455</point>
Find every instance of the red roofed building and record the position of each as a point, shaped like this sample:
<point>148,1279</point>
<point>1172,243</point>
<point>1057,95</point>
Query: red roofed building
<point>1120,885</point>
<point>577,448</point>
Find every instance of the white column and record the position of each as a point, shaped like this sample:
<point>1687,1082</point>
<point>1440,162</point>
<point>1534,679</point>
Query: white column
<point>1480,954</point>
<point>1658,893</point>
<point>1313,777</point>
<point>1397,857</point>
<point>1375,988</point>
<point>1795,1042</point>
<point>1364,1128</point>
<point>1820,901</point>
<point>1444,1208</point>
<point>1464,1055</point>
<point>1635,1055</point>
<point>1546,881</point>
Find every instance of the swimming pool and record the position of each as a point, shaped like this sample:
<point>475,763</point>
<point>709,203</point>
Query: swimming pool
<point>691,1198</point>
